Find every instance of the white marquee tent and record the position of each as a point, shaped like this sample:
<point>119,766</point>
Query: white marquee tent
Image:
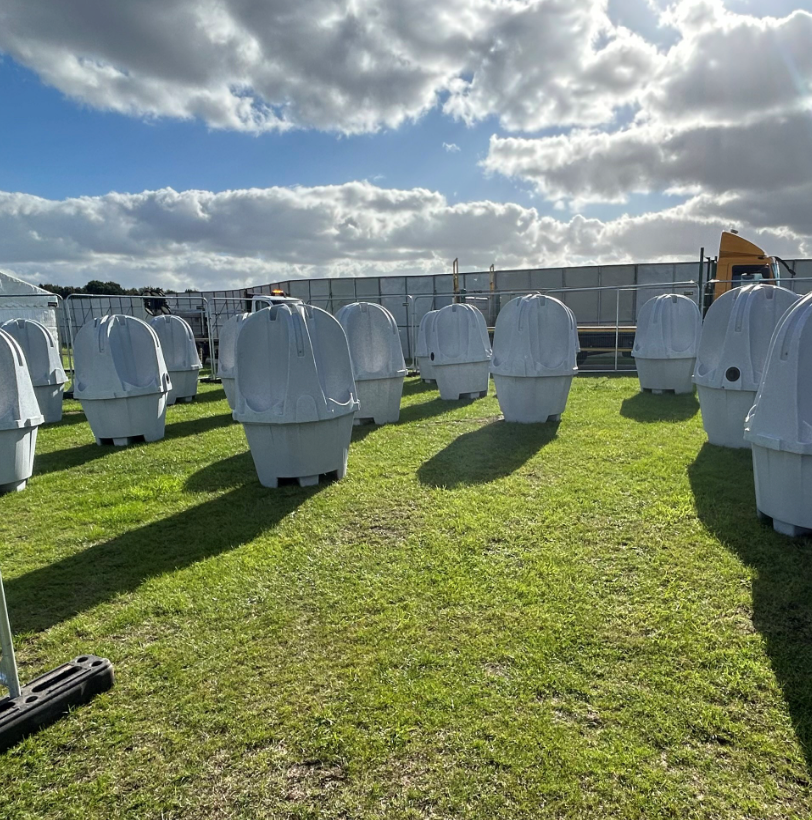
<point>21,300</point>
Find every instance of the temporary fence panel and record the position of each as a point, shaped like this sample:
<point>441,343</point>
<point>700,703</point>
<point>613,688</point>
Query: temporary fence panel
<point>620,304</point>
<point>801,283</point>
<point>80,309</point>
<point>585,304</point>
<point>342,292</point>
<point>368,290</point>
<point>511,281</point>
<point>299,289</point>
<point>626,288</point>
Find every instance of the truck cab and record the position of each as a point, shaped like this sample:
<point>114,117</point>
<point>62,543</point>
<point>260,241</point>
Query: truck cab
<point>276,297</point>
<point>739,261</point>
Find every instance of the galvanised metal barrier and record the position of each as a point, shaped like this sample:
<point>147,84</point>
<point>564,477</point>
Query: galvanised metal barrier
<point>689,287</point>
<point>609,297</point>
<point>87,307</point>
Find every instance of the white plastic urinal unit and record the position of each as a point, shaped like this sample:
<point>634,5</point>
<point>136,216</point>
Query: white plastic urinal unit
<point>20,417</point>
<point>535,350</point>
<point>295,394</point>
<point>44,364</point>
<point>733,349</point>
<point>180,355</point>
<point>460,352</point>
<point>227,356</point>
<point>422,352</point>
<point>666,343</point>
<point>121,379</point>
<point>779,425</point>
<point>377,360</point>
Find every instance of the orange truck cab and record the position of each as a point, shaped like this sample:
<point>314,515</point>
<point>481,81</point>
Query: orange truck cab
<point>739,262</point>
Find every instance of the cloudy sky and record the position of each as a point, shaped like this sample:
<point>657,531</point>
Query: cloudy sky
<point>203,143</point>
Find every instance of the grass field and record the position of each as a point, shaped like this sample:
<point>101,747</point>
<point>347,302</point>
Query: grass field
<point>482,620</point>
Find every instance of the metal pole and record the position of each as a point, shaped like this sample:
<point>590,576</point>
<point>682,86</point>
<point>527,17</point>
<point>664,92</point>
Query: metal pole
<point>205,312</point>
<point>413,332</point>
<point>699,299</point>
<point>617,325</point>
<point>8,664</point>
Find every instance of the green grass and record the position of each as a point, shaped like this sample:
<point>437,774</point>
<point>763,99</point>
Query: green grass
<point>482,620</point>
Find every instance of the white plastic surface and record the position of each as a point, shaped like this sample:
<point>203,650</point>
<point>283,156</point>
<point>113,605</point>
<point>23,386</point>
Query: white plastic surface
<point>21,300</point>
<point>17,448</point>
<point>422,353</point>
<point>301,451</point>
<point>779,426</point>
<point>666,343</point>
<point>20,417</point>
<point>44,365</point>
<point>732,352</point>
<point>535,350</point>
<point>227,355</point>
<point>377,360</point>
<point>379,400</point>
<point>295,393</point>
<point>121,379</point>
<point>460,352</point>
<point>723,415</point>
<point>668,327</point>
<point>180,354</point>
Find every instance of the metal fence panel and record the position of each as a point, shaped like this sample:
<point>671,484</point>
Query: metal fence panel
<point>368,290</point>
<point>443,283</point>
<point>512,280</point>
<point>801,283</point>
<point>393,285</point>
<point>419,284</point>
<point>653,274</point>
<point>585,303</point>
<point>299,289</point>
<point>619,276</point>
<point>546,278</point>
<point>476,281</point>
<point>396,305</point>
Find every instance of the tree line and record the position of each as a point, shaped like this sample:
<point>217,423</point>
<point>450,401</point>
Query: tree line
<point>106,288</point>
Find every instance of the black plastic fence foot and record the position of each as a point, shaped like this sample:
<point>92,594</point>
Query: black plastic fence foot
<point>52,695</point>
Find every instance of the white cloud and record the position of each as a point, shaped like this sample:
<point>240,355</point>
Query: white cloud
<point>346,65</point>
<point>721,117</point>
<point>451,147</point>
<point>764,158</point>
<point>200,239</point>
<point>725,120</point>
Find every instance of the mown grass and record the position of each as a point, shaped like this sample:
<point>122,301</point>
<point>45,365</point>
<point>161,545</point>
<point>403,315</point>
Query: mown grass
<point>482,621</point>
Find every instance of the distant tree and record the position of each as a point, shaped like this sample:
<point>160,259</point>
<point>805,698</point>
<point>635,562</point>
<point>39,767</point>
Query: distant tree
<point>97,287</point>
<point>61,290</point>
<point>107,288</point>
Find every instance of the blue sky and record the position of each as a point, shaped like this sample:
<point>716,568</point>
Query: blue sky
<point>565,164</point>
<point>56,148</point>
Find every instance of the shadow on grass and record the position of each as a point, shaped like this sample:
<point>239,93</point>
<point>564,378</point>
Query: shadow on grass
<point>414,386</point>
<point>428,409</point>
<point>69,418</point>
<point>722,484</point>
<point>62,590</point>
<point>491,452</point>
<point>209,396</point>
<point>72,457</point>
<point>226,474</point>
<point>361,431</point>
<point>647,407</point>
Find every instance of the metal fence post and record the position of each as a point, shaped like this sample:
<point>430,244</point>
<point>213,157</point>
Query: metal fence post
<point>8,663</point>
